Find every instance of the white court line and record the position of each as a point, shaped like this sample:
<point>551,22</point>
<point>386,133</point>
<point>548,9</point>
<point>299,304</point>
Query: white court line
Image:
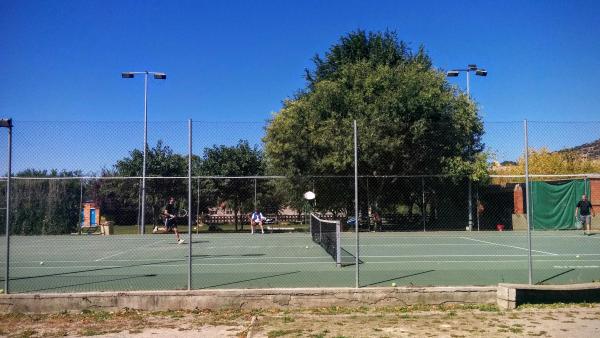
<point>291,257</point>
<point>124,251</point>
<point>304,263</point>
<point>510,246</point>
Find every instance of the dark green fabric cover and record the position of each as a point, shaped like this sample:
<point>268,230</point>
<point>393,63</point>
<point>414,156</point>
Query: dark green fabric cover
<point>554,203</point>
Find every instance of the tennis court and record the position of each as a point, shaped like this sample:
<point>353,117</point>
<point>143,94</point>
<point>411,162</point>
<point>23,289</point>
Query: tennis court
<point>281,260</point>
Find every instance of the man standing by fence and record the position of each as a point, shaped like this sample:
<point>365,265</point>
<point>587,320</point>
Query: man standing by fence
<point>585,214</point>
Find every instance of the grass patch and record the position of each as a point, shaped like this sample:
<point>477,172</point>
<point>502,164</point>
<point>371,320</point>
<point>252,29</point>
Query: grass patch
<point>90,332</point>
<point>27,333</point>
<point>281,333</point>
<point>287,319</point>
<point>516,329</point>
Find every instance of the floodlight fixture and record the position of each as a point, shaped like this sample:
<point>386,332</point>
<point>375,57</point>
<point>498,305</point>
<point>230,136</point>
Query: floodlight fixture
<point>160,76</point>
<point>6,123</point>
<point>452,73</point>
<point>472,67</point>
<point>481,72</point>
<point>127,75</point>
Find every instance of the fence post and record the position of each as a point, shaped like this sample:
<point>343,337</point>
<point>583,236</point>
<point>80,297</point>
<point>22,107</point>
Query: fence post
<point>356,215</point>
<point>190,204</point>
<point>529,203</point>
<point>8,178</point>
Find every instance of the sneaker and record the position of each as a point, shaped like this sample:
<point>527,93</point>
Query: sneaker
<point>180,241</point>
<point>155,230</point>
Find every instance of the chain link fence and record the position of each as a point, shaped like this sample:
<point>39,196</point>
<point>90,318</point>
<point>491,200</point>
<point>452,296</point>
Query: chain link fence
<point>77,191</point>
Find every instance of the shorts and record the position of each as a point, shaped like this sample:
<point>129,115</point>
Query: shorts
<point>170,223</point>
<point>585,219</point>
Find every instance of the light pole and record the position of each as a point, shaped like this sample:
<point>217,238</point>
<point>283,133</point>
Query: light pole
<point>454,73</point>
<point>158,76</point>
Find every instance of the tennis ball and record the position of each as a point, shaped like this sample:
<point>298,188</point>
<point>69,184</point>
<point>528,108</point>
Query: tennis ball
<point>393,284</point>
<point>1,290</point>
<point>577,256</point>
<point>307,246</point>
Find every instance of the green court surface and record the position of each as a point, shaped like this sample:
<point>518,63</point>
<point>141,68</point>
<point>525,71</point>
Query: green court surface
<point>282,260</point>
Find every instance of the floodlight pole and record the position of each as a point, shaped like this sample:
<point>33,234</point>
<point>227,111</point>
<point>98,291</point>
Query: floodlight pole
<point>454,73</point>
<point>158,76</point>
<point>7,123</point>
<point>142,220</point>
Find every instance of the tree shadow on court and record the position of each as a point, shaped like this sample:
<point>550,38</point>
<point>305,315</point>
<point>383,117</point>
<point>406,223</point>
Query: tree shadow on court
<point>554,276</point>
<point>95,282</point>
<point>399,277</point>
<point>249,280</point>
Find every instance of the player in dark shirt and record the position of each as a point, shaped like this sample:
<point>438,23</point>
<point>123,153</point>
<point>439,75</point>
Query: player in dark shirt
<point>170,214</point>
<point>585,213</point>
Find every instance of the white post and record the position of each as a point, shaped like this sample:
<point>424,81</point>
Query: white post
<point>143,198</point>
<point>470,187</point>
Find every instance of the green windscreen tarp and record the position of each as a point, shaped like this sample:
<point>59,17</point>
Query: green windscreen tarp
<point>554,203</point>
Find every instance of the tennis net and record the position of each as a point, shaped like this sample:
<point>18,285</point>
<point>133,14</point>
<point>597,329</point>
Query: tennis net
<point>327,234</point>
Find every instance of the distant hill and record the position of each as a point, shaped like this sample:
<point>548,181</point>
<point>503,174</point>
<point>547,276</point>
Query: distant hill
<point>588,150</point>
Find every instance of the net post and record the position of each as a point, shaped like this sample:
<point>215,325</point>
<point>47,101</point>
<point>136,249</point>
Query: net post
<point>310,225</point>
<point>338,247</point>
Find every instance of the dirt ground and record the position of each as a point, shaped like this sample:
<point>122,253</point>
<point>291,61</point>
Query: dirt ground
<point>556,320</point>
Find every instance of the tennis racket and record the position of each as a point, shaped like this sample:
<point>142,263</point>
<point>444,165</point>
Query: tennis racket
<point>180,213</point>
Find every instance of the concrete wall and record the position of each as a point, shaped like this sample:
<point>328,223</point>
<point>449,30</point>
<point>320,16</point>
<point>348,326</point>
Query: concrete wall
<point>247,298</point>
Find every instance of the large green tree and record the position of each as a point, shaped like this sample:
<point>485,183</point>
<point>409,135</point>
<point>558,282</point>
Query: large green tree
<point>410,120</point>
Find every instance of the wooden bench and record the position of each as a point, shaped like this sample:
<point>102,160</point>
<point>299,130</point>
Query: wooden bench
<point>281,229</point>
<point>87,229</point>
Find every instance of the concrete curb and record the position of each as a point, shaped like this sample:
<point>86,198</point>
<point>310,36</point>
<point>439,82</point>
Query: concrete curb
<point>512,295</point>
<point>247,298</point>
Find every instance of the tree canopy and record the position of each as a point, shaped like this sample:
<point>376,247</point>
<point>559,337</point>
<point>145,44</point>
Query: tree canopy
<point>411,121</point>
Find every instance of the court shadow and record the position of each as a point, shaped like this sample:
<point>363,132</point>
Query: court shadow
<point>216,256</point>
<point>348,259</point>
<point>552,277</point>
<point>93,270</point>
<point>95,282</point>
<point>249,280</point>
<point>399,277</point>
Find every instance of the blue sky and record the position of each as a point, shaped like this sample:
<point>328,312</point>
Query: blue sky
<point>237,60</point>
